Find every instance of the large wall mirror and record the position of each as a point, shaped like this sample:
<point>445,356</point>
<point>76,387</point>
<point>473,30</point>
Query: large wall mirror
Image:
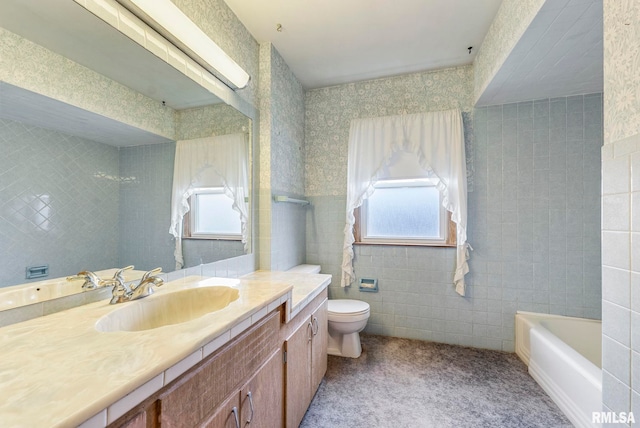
<point>83,192</point>
<point>80,191</point>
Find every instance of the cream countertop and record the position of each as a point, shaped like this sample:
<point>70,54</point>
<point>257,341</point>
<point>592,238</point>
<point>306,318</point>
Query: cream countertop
<point>59,371</point>
<point>306,286</point>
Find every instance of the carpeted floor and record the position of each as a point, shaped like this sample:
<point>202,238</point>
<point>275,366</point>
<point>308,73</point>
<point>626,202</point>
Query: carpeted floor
<point>401,383</point>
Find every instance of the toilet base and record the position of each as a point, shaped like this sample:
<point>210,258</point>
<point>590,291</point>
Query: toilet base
<point>345,345</point>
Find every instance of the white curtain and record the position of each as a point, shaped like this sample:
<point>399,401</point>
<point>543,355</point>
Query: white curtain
<point>437,139</point>
<point>220,161</point>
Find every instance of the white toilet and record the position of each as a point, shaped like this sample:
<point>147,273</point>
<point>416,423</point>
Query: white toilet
<point>347,318</point>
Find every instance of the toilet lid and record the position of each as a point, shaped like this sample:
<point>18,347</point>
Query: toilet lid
<point>347,306</point>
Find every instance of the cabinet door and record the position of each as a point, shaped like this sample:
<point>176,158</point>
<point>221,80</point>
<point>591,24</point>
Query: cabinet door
<point>297,374</point>
<point>225,416</point>
<point>261,397</point>
<point>138,421</point>
<point>191,398</point>
<point>319,319</point>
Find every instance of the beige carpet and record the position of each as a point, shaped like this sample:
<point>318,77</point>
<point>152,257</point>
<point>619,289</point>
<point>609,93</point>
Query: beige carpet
<point>398,383</point>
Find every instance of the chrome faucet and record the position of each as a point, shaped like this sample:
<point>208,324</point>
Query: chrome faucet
<point>91,280</point>
<point>120,288</point>
<point>122,293</point>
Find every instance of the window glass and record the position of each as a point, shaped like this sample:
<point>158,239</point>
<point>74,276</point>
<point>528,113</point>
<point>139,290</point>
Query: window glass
<point>404,211</point>
<point>213,214</point>
<point>407,212</point>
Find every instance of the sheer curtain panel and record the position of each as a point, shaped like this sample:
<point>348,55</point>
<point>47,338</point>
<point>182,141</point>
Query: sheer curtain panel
<point>220,161</point>
<point>437,140</point>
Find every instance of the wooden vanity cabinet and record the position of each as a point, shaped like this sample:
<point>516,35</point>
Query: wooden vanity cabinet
<point>206,395</point>
<point>266,377</point>
<point>257,404</point>
<point>306,359</point>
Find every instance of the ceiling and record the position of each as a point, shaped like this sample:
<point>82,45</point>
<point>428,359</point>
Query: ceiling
<point>330,42</point>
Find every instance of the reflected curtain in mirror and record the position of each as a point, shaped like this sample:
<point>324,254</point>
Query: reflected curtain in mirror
<point>219,161</point>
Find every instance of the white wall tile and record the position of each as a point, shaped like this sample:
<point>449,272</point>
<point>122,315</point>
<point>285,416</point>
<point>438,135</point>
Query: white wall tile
<point>616,285</point>
<point>616,249</point>
<point>616,323</point>
<point>616,212</point>
<point>617,358</point>
<point>616,175</point>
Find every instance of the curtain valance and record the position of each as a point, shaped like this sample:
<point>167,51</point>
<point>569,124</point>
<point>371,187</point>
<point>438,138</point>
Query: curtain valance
<point>437,140</point>
<point>220,161</point>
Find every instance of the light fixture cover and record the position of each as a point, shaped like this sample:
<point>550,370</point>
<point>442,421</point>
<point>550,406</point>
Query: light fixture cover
<point>167,19</point>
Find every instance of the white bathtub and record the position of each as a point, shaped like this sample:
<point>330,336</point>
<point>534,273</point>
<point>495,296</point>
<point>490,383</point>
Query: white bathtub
<point>564,356</point>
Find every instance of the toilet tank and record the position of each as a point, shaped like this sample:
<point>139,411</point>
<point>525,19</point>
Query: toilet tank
<point>305,269</point>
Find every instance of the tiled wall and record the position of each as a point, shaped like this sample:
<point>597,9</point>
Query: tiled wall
<point>107,206</point>
<point>145,206</point>
<point>534,220</point>
<point>621,275</point>
<point>621,212</point>
<point>534,215</point>
<point>288,240</point>
<point>59,202</point>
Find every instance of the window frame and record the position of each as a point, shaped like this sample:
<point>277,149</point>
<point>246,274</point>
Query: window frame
<point>189,220</point>
<point>447,227</point>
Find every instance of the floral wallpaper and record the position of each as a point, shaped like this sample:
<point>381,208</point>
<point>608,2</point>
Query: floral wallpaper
<point>30,66</point>
<point>281,124</point>
<point>287,141</point>
<point>329,112</point>
<point>265,115</point>
<point>282,141</point>
<point>218,119</point>
<point>511,21</point>
<point>621,69</point>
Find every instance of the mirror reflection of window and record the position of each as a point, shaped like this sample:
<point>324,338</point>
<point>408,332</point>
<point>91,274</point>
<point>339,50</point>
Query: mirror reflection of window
<point>212,215</point>
<point>218,165</point>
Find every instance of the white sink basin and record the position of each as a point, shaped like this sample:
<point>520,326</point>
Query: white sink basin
<point>168,309</point>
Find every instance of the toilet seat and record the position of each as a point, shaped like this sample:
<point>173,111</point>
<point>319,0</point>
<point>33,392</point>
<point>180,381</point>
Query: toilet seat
<point>347,310</point>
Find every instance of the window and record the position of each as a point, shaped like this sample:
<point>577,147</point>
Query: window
<point>435,142</point>
<point>404,212</point>
<point>212,216</point>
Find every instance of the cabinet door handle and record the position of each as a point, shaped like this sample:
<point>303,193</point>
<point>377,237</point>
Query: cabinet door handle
<point>310,329</point>
<point>317,325</point>
<point>251,407</point>
<point>235,413</point>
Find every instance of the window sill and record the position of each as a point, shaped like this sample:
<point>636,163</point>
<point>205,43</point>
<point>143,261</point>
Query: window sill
<point>405,244</point>
<point>217,238</point>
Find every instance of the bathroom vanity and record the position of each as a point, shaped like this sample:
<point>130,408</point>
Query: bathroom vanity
<point>249,360</point>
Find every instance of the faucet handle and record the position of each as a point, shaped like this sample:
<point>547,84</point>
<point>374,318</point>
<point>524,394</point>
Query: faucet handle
<point>119,276</point>
<point>91,280</point>
<point>150,273</point>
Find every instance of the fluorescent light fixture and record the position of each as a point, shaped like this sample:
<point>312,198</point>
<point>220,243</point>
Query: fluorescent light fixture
<point>173,24</point>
